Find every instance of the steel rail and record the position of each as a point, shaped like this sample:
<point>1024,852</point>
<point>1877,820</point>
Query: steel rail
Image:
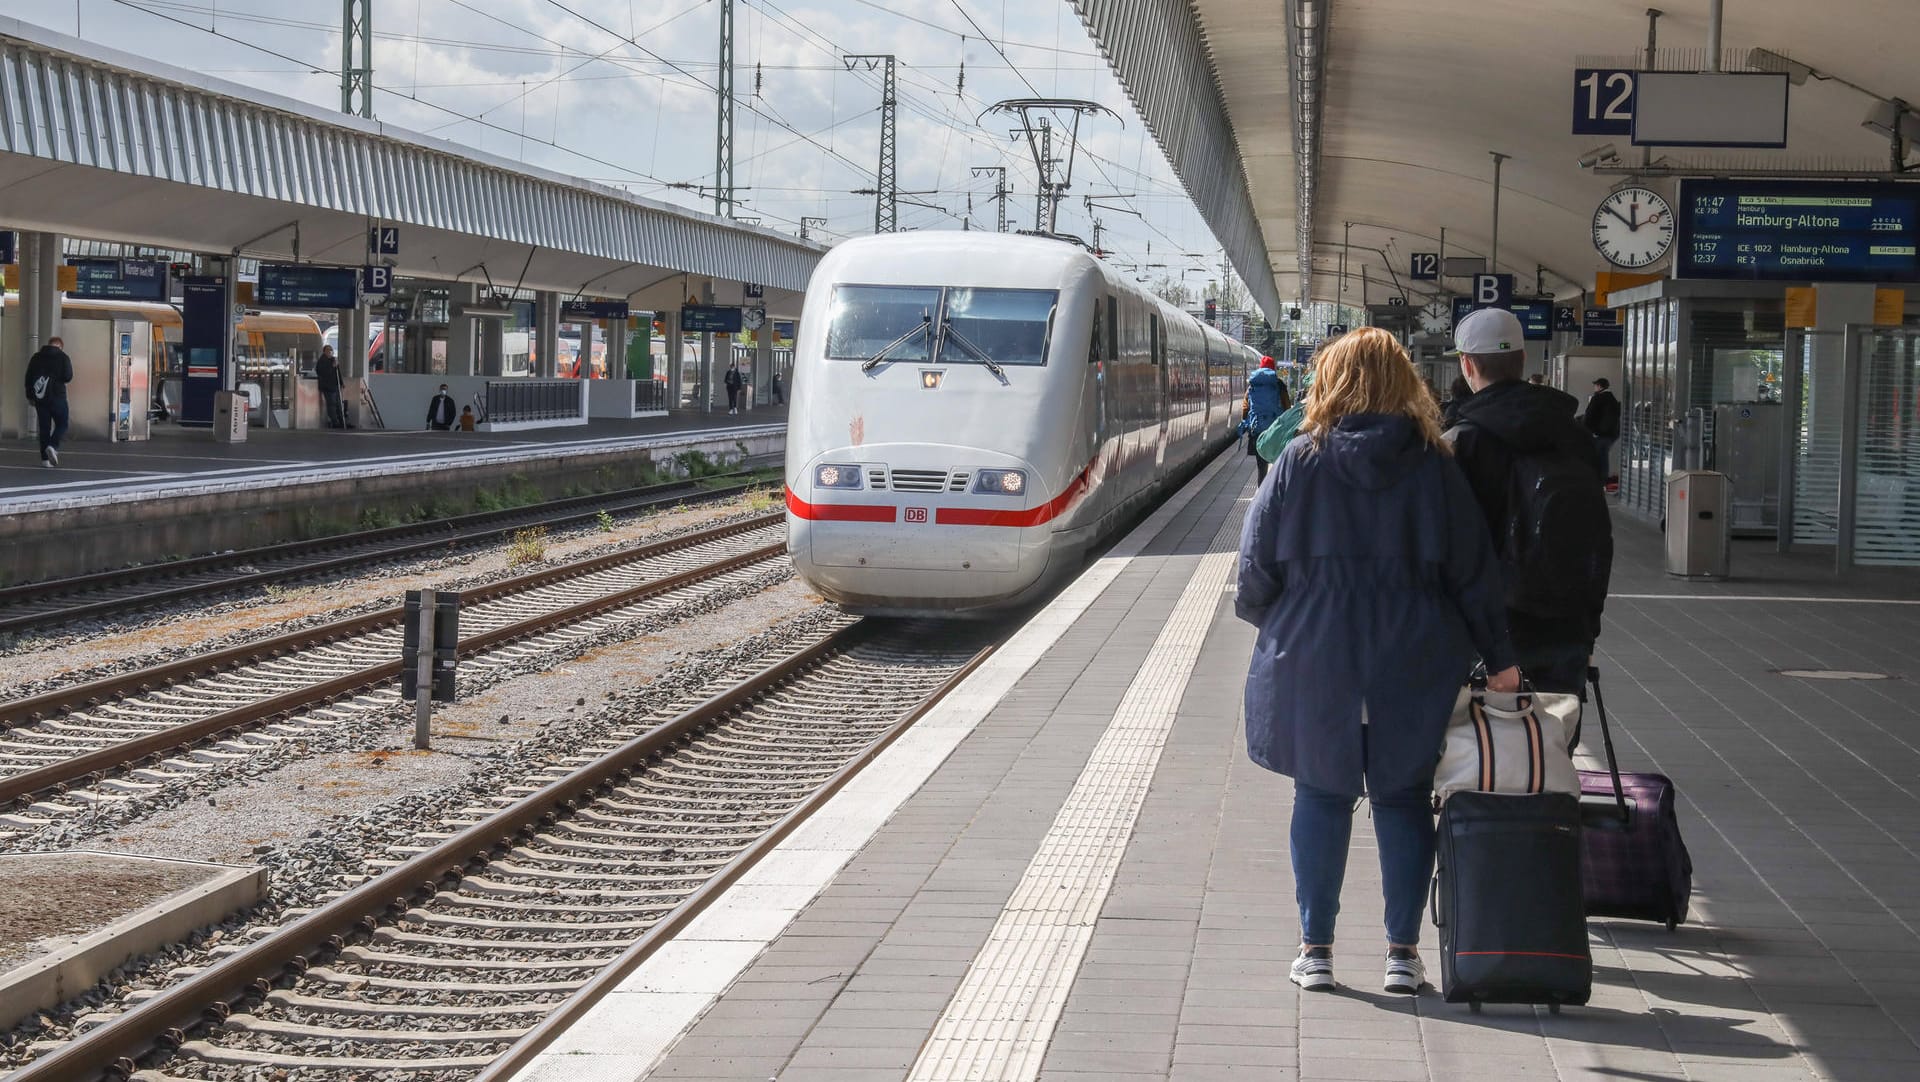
<point>90,766</point>
<point>464,529</point>
<point>47,704</point>
<point>521,1053</point>
<point>163,1021</point>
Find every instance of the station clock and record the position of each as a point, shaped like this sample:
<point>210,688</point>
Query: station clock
<point>1633,227</point>
<point>1437,316</point>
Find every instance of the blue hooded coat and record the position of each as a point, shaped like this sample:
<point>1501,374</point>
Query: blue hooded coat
<point>1367,567</point>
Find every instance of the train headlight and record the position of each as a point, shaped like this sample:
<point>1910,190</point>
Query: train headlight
<point>1000,482</point>
<point>834,476</point>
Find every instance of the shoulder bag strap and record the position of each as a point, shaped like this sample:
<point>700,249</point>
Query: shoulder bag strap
<point>1606,738</point>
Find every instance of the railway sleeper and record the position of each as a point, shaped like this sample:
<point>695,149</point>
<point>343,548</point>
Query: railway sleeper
<point>363,956</point>
<point>364,982</point>
<point>388,936</point>
<point>275,1028</point>
<point>293,1001</point>
<point>481,885</point>
<point>658,903</point>
<point>433,919</point>
<point>213,1053</point>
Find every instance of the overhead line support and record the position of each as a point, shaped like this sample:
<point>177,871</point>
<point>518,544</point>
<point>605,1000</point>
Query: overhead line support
<point>356,57</point>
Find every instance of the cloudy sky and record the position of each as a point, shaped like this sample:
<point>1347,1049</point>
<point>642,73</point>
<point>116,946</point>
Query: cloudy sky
<point>621,92</point>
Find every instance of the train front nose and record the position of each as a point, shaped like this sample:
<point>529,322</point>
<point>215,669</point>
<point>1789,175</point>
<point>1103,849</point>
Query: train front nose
<point>915,529</point>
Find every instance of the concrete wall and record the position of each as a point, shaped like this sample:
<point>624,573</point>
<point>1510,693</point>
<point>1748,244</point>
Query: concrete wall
<point>76,540</point>
<point>403,398</point>
<point>614,398</point>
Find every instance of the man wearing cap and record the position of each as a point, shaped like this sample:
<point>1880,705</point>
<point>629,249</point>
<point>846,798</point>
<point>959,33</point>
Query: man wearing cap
<point>1537,476</point>
<point>1266,401</point>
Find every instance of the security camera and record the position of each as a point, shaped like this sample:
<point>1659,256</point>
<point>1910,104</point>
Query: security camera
<point>1605,152</point>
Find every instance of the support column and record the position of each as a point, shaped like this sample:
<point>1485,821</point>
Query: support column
<point>352,353</point>
<point>492,346</point>
<point>616,349</point>
<point>676,372</point>
<point>460,358</point>
<point>35,319</point>
<point>1837,306</point>
<point>710,371</point>
<point>762,365</point>
<point>546,321</point>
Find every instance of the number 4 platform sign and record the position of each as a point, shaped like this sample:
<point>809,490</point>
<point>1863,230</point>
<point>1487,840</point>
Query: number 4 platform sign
<point>1602,101</point>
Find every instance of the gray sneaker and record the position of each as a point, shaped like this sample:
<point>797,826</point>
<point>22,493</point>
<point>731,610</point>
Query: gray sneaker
<point>1405,972</point>
<point>53,456</point>
<point>1313,970</point>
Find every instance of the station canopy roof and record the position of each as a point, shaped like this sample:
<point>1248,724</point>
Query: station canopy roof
<point>1416,93</point>
<point>101,144</point>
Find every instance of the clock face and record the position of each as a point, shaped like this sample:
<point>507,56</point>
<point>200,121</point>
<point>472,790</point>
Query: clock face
<point>1436,317</point>
<point>752,318</point>
<point>1633,227</point>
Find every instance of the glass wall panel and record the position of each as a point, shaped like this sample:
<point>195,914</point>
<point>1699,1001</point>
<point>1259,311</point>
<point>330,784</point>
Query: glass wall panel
<point>1817,416</point>
<point>1887,508</point>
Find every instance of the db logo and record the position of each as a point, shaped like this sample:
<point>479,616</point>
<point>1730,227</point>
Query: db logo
<point>916,514</point>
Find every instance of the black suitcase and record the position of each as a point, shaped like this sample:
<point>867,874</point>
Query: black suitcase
<point>1635,863</point>
<point>1506,898</point>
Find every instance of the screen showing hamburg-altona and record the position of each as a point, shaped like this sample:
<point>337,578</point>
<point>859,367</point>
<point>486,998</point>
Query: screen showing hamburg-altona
<point>1799,232</point>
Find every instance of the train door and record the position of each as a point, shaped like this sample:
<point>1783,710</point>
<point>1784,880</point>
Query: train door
<point>1157,343</point>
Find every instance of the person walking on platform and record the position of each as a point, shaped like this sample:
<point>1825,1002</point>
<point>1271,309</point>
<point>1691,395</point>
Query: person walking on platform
<point>440,411</point>
<point>1265,401</point>
<point>734,381</point>
<point>1602,418</point>
<point>1538,478</point>
<point>326,372</point>
<point>1366,565</point>
<point>779,392</point>
<point>48,373</point>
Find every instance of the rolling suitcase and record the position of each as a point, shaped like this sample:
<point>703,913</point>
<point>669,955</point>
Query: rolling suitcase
<point>1506,898</point>
<point>1633,862</point>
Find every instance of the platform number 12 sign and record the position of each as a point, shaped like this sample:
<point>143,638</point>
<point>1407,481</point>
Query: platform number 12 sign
<point>1602,101</point>
<point>1426,266</point>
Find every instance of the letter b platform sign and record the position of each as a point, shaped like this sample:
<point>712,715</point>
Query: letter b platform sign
<point>1492,290</point>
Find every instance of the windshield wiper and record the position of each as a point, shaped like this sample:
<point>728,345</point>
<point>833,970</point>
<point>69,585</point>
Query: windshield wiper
<point>947,331</point>
<point>868,365</point>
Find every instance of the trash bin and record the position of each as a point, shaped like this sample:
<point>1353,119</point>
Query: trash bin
<point>229,417</point>
<point>1699,506</point>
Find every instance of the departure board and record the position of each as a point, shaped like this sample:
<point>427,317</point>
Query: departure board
<point>1799,231</point>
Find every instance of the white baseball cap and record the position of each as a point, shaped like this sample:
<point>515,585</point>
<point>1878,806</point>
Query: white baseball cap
<point>1488,330</point>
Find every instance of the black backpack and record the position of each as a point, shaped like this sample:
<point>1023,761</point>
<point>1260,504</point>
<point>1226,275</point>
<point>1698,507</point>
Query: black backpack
<point>1557,547</point>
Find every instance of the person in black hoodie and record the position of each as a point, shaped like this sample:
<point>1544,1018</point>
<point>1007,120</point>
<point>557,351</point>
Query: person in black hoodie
<point>1538,478</point>
<point>441,411</point>
<point>48,374</point>
<point>327,372</point>
<point>1603,420</point>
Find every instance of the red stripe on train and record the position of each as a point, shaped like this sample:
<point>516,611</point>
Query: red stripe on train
<point>838,512</point>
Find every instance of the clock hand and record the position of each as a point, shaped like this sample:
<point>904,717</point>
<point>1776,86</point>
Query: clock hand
<point>1622,217</point>
<point>1634,209</point>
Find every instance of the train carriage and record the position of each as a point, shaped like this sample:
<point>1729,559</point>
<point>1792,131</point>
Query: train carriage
<point>975,410</point>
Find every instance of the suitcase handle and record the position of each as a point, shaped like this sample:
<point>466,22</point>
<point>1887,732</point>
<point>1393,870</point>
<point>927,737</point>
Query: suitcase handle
<point>1433,900</point>
<point>1606,738</point>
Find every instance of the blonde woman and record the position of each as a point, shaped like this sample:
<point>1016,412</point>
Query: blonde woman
<point>1367,567</point>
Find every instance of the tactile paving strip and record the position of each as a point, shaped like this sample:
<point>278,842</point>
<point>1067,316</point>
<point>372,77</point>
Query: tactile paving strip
<point>997,1026</point>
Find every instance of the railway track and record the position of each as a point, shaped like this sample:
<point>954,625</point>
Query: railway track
<point>45,605</point>
<point>128,735</point>
<point>514,916</point>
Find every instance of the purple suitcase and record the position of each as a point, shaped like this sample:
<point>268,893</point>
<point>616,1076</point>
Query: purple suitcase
<point>1633,862</point>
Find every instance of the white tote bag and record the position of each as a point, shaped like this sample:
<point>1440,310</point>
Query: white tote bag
<point>1509,742</point>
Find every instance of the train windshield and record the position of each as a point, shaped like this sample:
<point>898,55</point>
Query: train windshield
<point>1007,326</point>
<point>866,319</point>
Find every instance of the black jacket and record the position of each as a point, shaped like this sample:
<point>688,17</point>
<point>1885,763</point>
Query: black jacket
<point>440,411</point>
<point>327,371</point>
<point>53,363</point>
<point>1603,415</point>
<point>1510,418</point>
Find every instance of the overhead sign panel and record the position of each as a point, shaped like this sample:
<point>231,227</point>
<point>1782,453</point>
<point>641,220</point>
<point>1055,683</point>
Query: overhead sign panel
<point>285,285</point>
<point>584,309</point>
<point>701,318</point>
<point>1799,231</point>
<point>1710,109</point>
<point>1463,266</point>
<point>119,279</point>
<point>1425,266</point>
<point>1600,327</point>
<point>1536,316</point>
<point>1603,101</point>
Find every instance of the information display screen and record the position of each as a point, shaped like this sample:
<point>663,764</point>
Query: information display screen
<point>1799,231</point>
<point>1536,317</point>
<point>115,279</point>
<point>307,286</point>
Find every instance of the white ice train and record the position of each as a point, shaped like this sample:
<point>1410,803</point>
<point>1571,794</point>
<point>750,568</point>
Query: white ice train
<point>972,411</point>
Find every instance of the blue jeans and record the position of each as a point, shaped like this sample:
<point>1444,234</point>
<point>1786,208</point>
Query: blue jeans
<point>1322,827</point>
